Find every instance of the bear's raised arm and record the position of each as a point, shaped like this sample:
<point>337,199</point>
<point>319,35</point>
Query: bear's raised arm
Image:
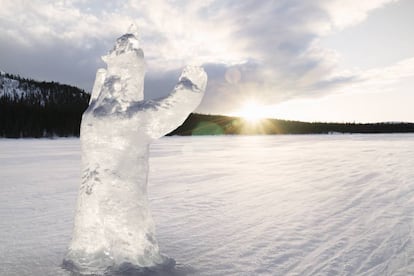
<point>167,113</point>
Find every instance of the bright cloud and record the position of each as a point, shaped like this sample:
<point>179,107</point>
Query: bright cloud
<point>343,14</point>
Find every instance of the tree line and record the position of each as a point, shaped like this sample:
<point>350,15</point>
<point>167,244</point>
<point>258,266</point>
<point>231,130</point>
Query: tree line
<point>39,109</point>
<point>199,124</point>
<point>30,108</point>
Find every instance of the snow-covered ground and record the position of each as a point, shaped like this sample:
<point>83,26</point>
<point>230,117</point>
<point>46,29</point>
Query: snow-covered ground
<point>231,205</point>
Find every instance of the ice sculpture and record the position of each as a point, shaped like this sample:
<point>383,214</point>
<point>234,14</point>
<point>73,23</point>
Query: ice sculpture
<point>113,224</point>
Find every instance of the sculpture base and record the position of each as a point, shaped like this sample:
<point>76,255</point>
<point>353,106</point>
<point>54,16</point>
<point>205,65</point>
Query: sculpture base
<point>168,267</point>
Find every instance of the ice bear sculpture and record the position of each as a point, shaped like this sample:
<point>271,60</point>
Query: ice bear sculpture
<point>113,224</point>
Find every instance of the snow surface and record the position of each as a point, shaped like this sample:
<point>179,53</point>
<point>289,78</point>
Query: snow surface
<point>113,228</point>
<point>231,205</point>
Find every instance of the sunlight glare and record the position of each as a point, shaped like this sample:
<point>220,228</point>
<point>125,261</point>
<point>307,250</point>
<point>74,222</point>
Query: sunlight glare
<point>252,112</point>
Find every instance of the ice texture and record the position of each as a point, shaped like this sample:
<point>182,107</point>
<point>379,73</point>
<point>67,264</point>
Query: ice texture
<point>113,224</point>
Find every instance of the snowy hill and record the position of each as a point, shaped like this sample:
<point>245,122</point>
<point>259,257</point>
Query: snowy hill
<point>16,88</point>
<point>10,87</point>
<point>30,108</point>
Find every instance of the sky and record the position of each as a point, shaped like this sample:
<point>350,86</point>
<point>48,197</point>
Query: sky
<point>321,60</point>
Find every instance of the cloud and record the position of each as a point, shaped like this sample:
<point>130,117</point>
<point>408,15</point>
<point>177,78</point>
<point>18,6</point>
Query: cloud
<point>381,79</point>
<point>343,14</point>
<point>55,40</point>
<point>274,45</point>
<point>269,50</point>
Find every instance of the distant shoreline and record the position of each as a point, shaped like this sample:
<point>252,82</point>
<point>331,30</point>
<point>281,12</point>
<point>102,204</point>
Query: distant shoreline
<point>216,125</point>
<point>33,109</point>
<point>200,124</point>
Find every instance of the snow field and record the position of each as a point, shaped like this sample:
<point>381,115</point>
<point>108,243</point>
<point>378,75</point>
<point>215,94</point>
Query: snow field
<point>231,205</point>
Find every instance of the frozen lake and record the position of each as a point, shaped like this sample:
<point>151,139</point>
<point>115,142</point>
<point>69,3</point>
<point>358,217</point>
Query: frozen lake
<point>231,205</point>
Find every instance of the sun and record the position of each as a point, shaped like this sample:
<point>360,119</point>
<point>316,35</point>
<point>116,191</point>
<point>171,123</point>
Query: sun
<point>252,112</point>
